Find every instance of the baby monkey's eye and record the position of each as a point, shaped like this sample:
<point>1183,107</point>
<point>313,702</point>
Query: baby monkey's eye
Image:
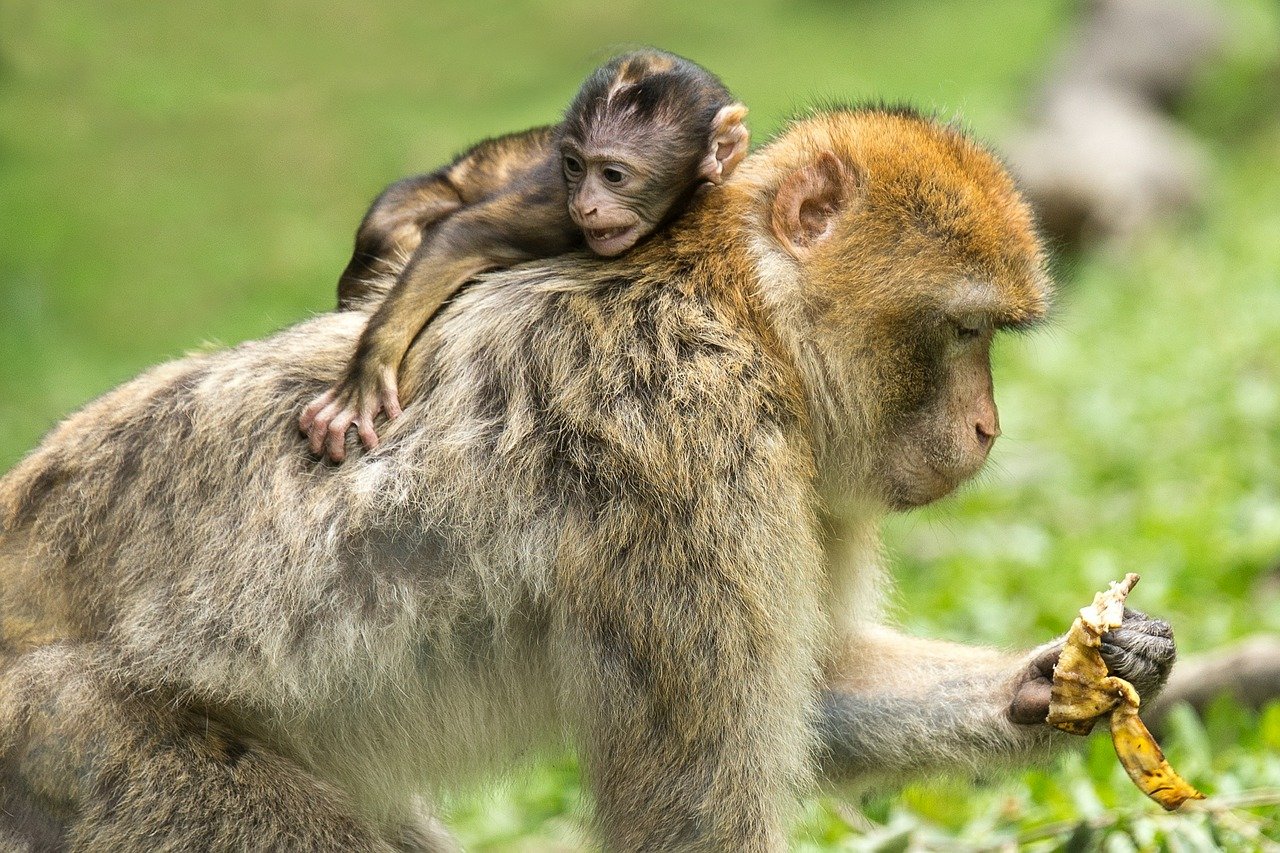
<point>613,176</point>
<point>572,165</point>
<point>967,333</point>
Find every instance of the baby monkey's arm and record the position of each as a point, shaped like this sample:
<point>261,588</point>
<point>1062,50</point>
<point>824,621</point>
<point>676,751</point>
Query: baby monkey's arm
<point>507,229</point>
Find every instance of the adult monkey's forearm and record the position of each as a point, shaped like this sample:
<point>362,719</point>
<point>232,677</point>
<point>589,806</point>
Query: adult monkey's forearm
<point>899,704</point>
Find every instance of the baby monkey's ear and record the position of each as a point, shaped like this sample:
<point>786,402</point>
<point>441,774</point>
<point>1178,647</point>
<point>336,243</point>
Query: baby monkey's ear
<point>728,145</point>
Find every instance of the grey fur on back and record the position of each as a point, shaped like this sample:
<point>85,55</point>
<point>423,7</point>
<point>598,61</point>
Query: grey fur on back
<point>311,589</point>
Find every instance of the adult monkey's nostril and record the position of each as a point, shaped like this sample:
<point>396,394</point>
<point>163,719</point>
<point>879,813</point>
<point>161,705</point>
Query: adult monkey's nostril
<point>985,433</point>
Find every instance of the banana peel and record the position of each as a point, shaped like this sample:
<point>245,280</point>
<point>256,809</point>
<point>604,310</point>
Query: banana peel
<point>1083,692</point>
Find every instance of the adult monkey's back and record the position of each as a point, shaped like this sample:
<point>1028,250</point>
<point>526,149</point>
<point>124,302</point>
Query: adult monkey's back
<point>638,506</point>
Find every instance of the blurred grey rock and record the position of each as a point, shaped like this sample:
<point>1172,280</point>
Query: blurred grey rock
<point>1100,158</point>
<point>1101,165</point>
<point>1249,671</point>
<point>1150,48</point>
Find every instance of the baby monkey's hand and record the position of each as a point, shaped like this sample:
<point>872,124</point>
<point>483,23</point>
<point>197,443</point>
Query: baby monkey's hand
<point>357,399</point>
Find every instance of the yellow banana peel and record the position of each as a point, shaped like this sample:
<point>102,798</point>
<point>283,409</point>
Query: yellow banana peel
<point>1083,692</point>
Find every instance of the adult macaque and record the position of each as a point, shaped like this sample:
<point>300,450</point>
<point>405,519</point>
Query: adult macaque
<point>644,132</point>
<point>633,503</point>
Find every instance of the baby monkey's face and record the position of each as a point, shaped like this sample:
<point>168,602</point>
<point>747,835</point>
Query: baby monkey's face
<point>623,185</point>
<point>625,180</point>
<point>615,197</point>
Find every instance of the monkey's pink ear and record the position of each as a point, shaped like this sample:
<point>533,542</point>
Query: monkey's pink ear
<point>729,140</point>
<point>809,201</point>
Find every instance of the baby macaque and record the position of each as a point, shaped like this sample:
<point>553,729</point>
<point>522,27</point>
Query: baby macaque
<point>644,132</point>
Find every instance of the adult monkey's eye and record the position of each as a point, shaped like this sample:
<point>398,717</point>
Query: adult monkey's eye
<point>613,176</point>
<point>967,333</point>
<point>572,165</point>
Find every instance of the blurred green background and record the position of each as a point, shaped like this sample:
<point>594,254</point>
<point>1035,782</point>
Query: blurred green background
<point>173,174</point>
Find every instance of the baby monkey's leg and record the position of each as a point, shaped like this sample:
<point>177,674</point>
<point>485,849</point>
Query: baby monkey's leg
<point>392,231</point>
<point>406,213</point>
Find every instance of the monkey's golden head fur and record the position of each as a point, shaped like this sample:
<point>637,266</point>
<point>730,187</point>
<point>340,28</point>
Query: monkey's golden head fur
<point>877,233</point>
<point>927,210</point>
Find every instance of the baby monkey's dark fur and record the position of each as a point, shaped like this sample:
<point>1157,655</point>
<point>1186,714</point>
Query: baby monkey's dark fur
<point>644,132</point>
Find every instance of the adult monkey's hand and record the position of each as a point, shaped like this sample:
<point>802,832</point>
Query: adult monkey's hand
<point>1141,651</point>
<point>1083,690</point>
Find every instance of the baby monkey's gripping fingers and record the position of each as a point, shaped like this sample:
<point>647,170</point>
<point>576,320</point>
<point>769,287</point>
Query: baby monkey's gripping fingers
<point>357,399</point>
<point>334,434</point>
<point>308,416</point>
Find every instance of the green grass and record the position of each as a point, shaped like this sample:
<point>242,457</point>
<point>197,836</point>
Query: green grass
<point>172,174</point>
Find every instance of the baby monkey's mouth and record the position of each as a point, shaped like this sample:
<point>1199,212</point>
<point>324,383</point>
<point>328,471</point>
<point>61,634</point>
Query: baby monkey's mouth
<point>604,235</point>
<point>612,241</point>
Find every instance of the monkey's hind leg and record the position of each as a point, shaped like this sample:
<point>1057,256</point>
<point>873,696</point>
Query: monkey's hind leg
<point>87,766</point>
<point>390,233</point>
